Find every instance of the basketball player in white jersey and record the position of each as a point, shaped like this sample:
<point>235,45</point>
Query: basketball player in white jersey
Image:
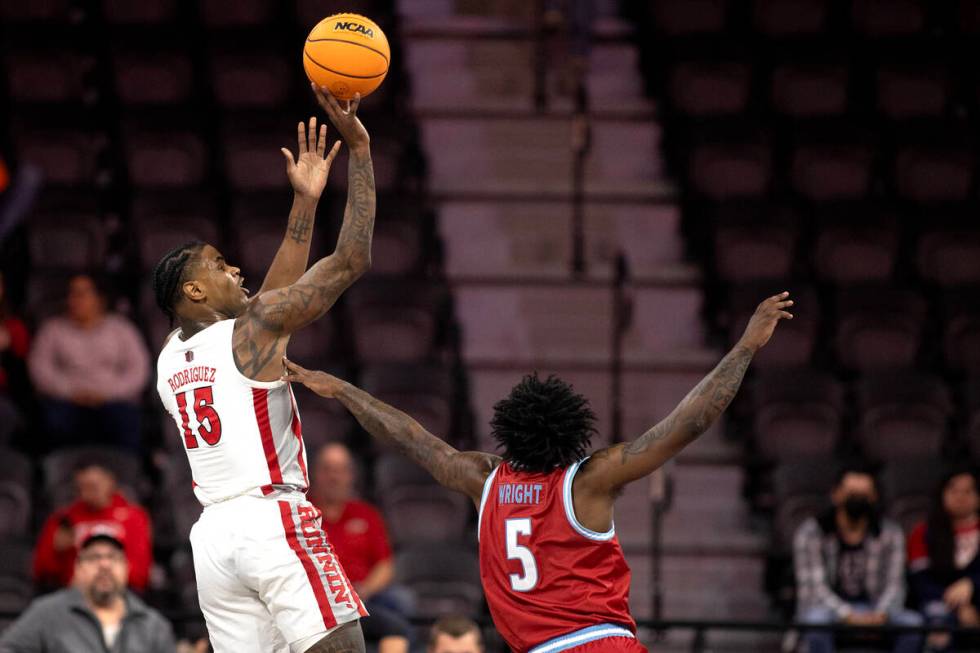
<point>267,577</point>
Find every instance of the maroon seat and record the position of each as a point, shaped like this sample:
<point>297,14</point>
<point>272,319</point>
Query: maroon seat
<point>926,173</point>
<point>912,92</point>
<point>809,90</point>
<point>165,158</point>
<point>425,392</point>
<point>908,487</point>
<point>710,88</point>
<point>164,220</point>
<point>252,159</point>
<point>902,416</point>
<point>950,256</point>
<point>888,18</point>
<point>394,321</point>
<point>66,157</point>
<point>152,78</point>
<point>124,12</point>
<point>18,11</point>
<point>66,241</point>
<point>745,253</point>
<point>849,253</point>
<point>878,327</point>
<point>822,172</point>
<point>249,80</point>
<point>797,414</point>
<point>47,76</point>
<point>677,17</point>
<point>783,18</point>
<point>730,170</point>
<point>961,330</point>
<point>237,13</point>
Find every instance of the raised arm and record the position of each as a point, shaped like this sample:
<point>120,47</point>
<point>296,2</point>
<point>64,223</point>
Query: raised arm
<point>463,471</point>
<point>308,176</point>
<point>262,331</point>
<point>610,469</point>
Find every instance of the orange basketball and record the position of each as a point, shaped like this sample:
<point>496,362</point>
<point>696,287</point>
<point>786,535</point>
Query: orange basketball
<point>348,54</point>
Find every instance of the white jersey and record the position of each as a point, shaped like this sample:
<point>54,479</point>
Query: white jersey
<point>242,437</point>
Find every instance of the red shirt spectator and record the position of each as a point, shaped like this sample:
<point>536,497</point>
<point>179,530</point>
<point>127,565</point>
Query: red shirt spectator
<point>99,504</point>
<point>355,528</point>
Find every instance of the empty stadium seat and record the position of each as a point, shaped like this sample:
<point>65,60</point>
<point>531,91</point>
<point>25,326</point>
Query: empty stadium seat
<point>158,233</point>
<point>790,18</point>
<point>853,252</point>
<point>837,171</point>
<point>17,11</point>
<point>681,17</point>
<point>67,241</point>
<point>878,327</point>
<point>724,170</point>
<point>16,585</point>
<point>797,414</point>
<point>252,160</point>
<point>950,257</point>
<point>238,13</point>
<point>46,294</point>
<point>445,578</point>
<point>912,91</point>
<point>807,90</point>
<point>394,321</point>
<point>908,487</point>
<point>801,489</point>
<point>423,391</point>
<point>65,157</point>
<point>902,416</point>
<point>152,77</point>
<point>753,252</point>
<point>165,158</point>
<point>47,77</point>
<point>249,80</point>
<point>710,88</point>
<point>793,344</point>
<point>961,332</point>
<point>145,12</point>
<point>888,18</point>
<point>927,173</point>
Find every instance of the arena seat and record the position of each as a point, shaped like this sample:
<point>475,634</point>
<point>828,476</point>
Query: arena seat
<point>804,90</point>
<point>237,13</point>
<point>961,330</point>
<point>915,91</point>
<point>790,18</point>
<point>165,159</point>
<point>854,252</point>
<point>394,321</point>
<point>158,234</point>
<point>908,488</point>
<point>934,173</point>
<point>16,585</point>
<point>878,326</point>
<point>47,76</point>
<point>67,157</point>
<point>445,578</point>
<point>683,17</point>
<point>888,18</point>
<point>710,88</point>
<point>746,253</point>
<point>416,514</point>
<point>157,77</point>
<point>246,79</point>
<point>65,241</point>
<point>950,257</point>
<point>831,171</point>
<point>727,170</point>
<point>797,414</point>
<point>794,344</point>
<point>425,392</point>
<point>145,12</point>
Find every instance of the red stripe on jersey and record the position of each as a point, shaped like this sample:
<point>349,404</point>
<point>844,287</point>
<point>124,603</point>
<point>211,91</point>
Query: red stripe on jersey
<point>286,511</point>
<point>260,401</point>
<point>298,432</point>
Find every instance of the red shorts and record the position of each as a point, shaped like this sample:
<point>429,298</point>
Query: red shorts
<point>611,645</point>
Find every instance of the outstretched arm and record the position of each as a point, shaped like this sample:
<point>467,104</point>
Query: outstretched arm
<point>463,471</point>
<point>610,469</point>
<point>261,332</point>
<point>308,176</point>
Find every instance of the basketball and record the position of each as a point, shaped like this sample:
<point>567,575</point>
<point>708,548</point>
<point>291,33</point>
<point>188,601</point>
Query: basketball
<point>348,54</point>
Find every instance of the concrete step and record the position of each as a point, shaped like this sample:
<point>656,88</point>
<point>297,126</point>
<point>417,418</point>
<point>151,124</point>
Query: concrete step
<point>524,240</point>
<point>533,157</point>
<point>537,323</point>
<point>497,75</point>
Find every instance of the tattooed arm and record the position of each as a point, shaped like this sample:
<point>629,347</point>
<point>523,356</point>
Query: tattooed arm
<point>308,177</point>
<point>612,468</point>
<point>262,331</point>
<point>463,471</point>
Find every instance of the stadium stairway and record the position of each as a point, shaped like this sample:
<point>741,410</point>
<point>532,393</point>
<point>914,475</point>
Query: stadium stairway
<point>500,173</point>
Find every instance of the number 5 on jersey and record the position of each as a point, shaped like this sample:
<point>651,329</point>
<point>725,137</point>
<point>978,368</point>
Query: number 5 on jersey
<point>209,424</point>
<point>527,580</point>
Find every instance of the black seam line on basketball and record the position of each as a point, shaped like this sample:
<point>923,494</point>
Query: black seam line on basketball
<point>360,45</point>
<point>342,74</point>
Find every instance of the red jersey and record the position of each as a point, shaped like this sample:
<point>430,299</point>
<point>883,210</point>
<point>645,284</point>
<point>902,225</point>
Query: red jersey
<point>359,539</point>
<point>546,577</point>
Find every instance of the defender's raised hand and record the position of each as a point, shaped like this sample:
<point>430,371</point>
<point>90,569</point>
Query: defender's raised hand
<point>308,173</point>
<point>764,321</point>
<point>344,120</point>
<point>321,383</point>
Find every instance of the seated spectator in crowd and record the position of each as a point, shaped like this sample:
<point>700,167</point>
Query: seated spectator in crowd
<point>359,538</point>
<point>96,615</point>
<point>455,635</point>
<point>850,566</point>
<point>91,367</point>
<point>15,390</point>
<point>944,563</point>
<point>99,503</point>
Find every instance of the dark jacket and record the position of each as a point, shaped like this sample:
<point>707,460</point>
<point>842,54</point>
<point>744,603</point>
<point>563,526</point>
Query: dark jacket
<point>62,623</point>
<point>928,584</point>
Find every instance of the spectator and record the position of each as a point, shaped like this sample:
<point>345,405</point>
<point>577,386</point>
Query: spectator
<point>357,533</point>
<point>943,558</point>
<point>91,366</point>
<point>96,615</point>
<point>850,566</point>
<point>14,388</point>
<point>99,504</point>
<point>455,635</point>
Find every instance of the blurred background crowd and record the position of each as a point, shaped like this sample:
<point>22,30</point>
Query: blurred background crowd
<point>600,189</point>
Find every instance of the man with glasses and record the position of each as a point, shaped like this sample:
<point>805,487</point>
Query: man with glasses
<point>97,614</point>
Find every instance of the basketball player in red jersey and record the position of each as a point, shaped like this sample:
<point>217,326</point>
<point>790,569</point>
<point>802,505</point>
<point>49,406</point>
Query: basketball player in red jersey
<point>266,575</point>
<point>552,569</point>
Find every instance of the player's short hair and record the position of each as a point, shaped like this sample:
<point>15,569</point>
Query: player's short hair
<point>454,626</point>
<point>170,273</point>
<point>542,425</point>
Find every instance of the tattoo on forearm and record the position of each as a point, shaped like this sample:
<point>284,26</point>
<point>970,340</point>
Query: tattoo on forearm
<point>358,226</point>
<point>451,468</point>
<point>300,226</point>
<point>701,407</point>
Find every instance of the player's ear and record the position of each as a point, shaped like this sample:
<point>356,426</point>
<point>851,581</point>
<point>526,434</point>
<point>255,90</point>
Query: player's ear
<point>194,291</point>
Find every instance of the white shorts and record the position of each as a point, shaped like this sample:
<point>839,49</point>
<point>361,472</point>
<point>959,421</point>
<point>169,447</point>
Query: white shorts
<point>267,578</point>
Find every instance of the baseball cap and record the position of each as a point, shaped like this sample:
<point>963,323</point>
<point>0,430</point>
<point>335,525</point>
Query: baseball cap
<point>109,533</point>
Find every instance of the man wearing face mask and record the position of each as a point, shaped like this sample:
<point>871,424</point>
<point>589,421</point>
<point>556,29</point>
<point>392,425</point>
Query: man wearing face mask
<point>850,566</point>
